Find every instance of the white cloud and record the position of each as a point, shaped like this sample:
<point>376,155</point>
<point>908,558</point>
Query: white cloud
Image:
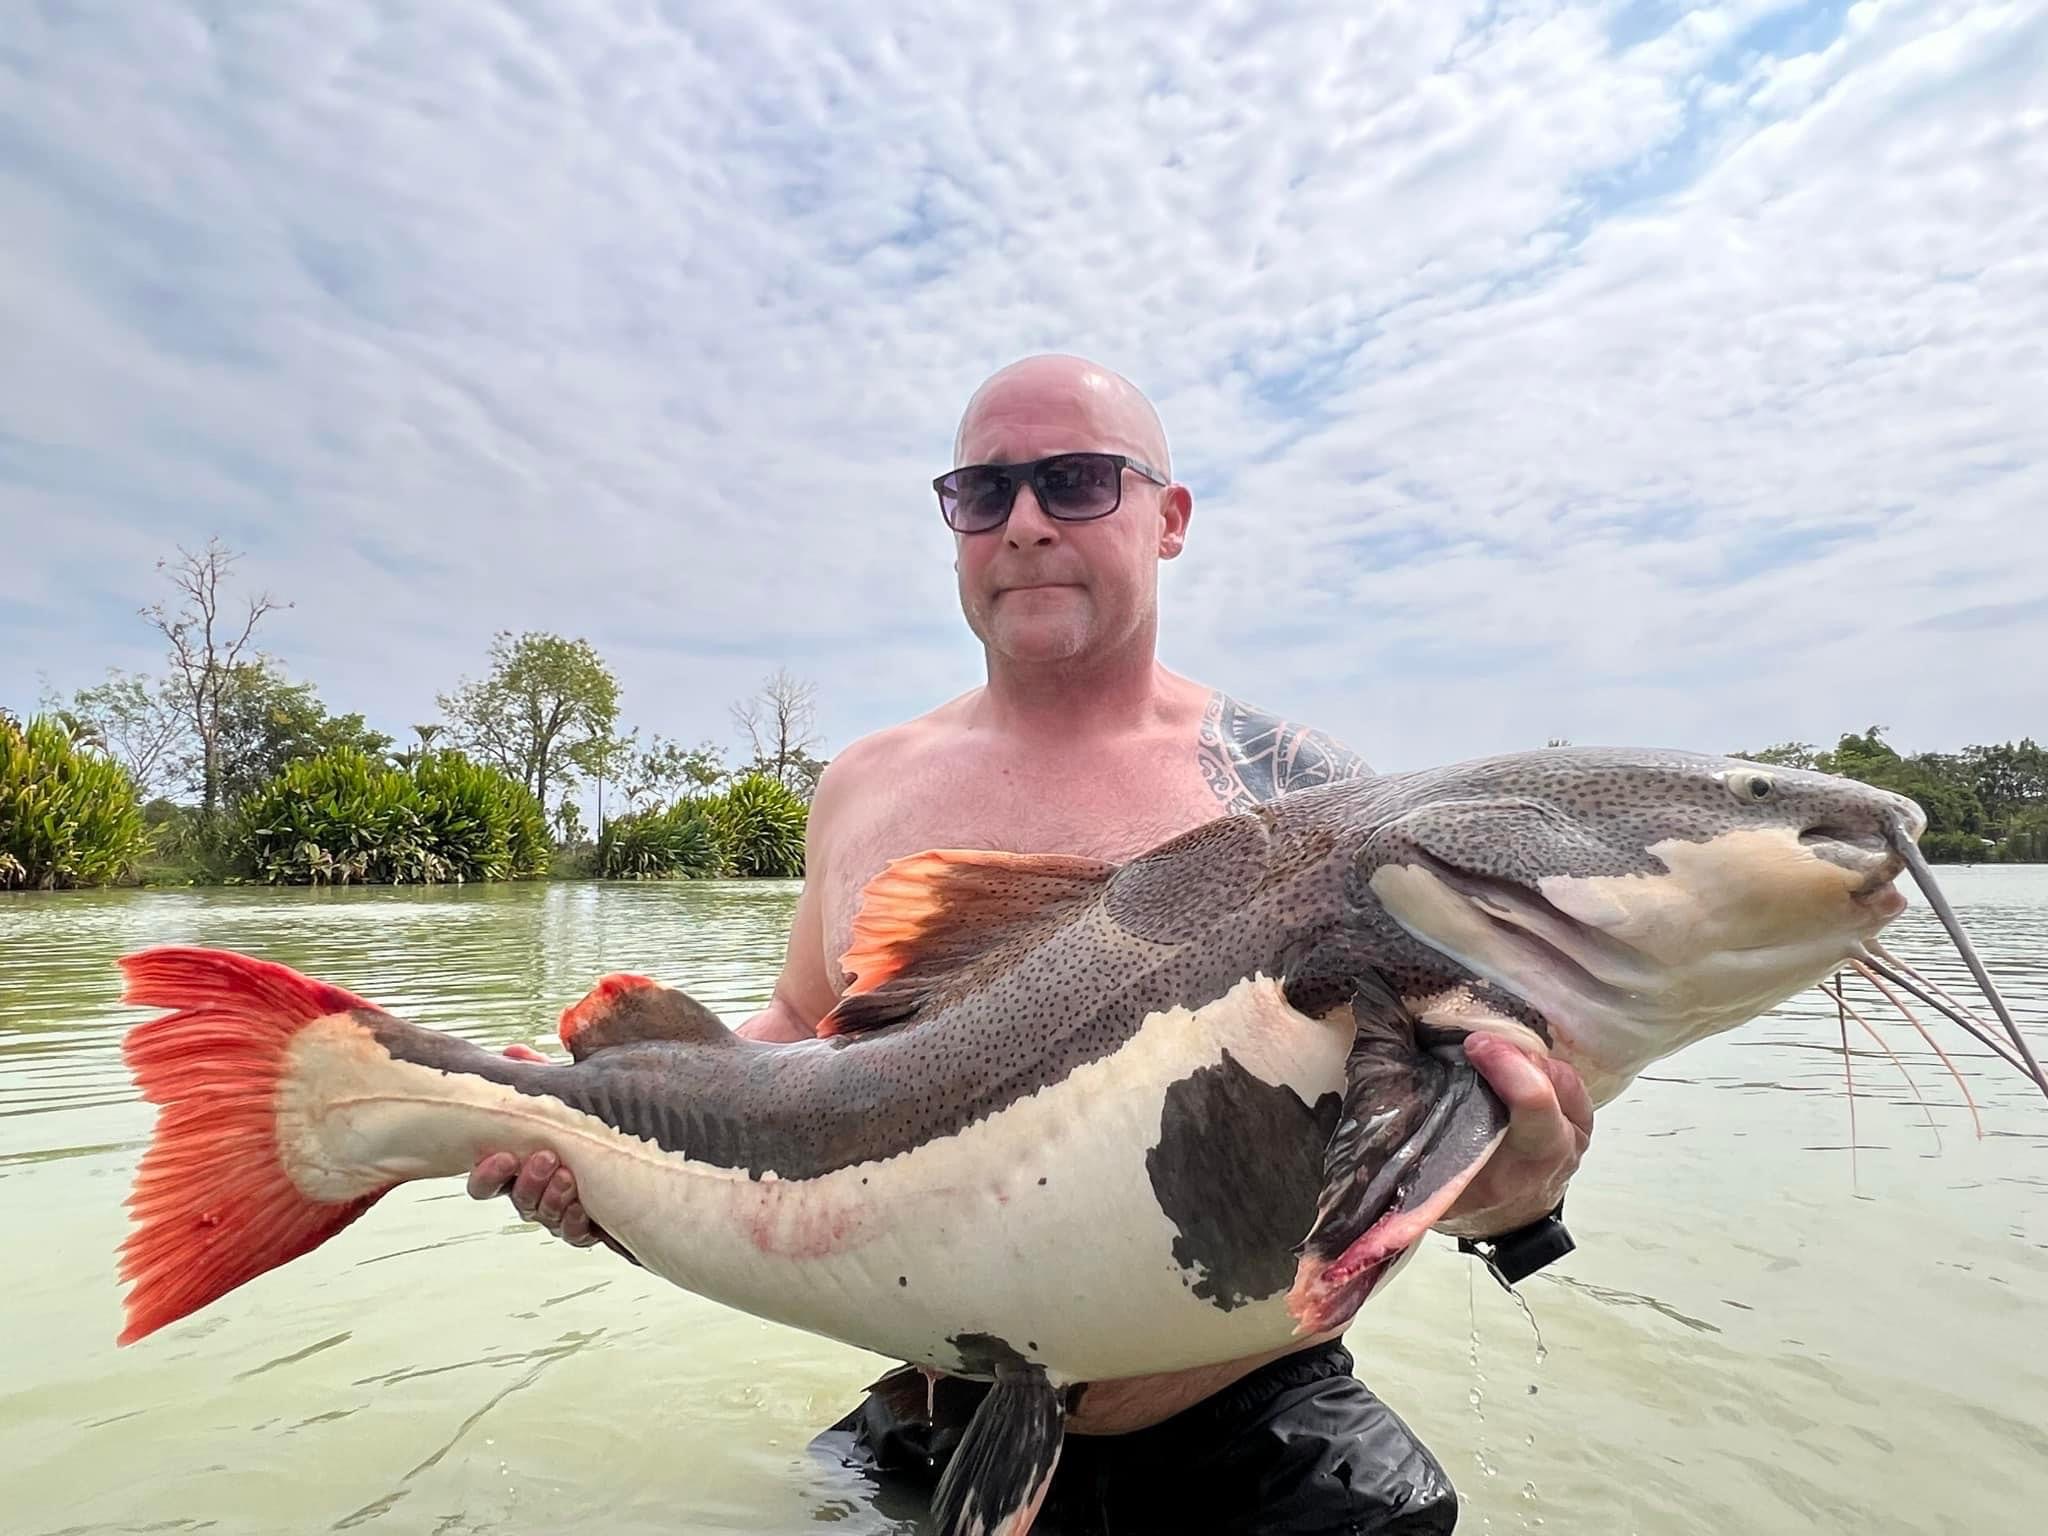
<point>1534,383</point>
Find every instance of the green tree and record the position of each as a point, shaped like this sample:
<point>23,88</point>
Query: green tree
<point>604,758</point>
<point>545,697</point>
<point>269,722</point>
<point>569,817</point>
<point>135,719</point>
<point>668,769</point>
<point>2006,778</point>
<point>1786,754</point>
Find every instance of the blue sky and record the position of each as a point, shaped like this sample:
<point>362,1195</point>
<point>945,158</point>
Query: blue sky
<point>1636,372</point>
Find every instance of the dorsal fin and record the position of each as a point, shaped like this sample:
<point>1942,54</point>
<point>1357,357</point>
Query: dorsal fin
<point>924,918</point>
<point>623,1008</point>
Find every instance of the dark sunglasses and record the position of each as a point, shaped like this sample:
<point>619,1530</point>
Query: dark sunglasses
<point>1073,487</point>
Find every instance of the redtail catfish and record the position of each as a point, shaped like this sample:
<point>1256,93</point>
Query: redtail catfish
<point>1070,1120</point>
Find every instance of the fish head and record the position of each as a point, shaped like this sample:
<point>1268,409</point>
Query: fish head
<point>1637,901</point>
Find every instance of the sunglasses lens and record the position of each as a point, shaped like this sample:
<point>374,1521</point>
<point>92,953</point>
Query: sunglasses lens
<point>974,500</point>
<point>1079,485</point>
<point>1073,486</point>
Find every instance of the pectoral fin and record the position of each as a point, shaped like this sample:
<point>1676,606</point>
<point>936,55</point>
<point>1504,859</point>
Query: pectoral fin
<point>1415,1130</point>
<point>927,921</point>
<point>999,1475</point>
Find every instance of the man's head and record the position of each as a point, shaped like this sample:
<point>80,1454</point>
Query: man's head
<point>1037,589</point>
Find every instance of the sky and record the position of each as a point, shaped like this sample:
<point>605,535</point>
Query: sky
<point>1638,373</point>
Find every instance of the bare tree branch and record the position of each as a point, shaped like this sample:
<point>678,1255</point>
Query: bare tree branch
<point>201,666</point>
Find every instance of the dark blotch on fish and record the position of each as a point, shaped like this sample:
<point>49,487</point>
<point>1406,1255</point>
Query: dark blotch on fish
<point>1236,1171</point>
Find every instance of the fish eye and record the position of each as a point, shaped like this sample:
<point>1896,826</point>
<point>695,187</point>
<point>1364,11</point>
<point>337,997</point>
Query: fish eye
<point>1747,784</point>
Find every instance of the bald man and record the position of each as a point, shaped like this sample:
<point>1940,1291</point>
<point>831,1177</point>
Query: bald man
<point>1060,507</point>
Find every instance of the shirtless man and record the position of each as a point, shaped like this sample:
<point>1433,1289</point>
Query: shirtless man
<point>1082,742</point>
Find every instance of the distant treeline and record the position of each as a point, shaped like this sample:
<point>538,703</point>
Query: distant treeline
<point>222,768</point>
<point>1984,804</point>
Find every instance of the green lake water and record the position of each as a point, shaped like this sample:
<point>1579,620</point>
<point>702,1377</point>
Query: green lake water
<point>1760,1331</point>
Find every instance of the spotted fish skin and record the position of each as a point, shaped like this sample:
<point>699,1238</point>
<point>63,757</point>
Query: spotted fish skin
<point>1092,1112</point>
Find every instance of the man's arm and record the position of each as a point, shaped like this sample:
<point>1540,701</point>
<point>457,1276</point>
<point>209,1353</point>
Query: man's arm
<point>544,1191</point>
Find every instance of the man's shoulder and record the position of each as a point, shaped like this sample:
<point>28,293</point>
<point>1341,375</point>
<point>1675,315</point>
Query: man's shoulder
<point>1250,755</point>
<point>888,750</point>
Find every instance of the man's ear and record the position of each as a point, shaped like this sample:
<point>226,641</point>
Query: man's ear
<point>1176,508</point>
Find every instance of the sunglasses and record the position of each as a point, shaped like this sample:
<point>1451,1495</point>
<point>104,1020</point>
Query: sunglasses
<point>1073,487</point>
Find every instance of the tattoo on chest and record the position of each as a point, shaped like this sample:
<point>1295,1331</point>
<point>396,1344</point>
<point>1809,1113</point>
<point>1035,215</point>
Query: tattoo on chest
<point>1249,756</point>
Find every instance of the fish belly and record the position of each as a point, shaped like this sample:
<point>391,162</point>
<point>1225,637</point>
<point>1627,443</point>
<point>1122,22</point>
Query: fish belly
<point>1039,1228</point>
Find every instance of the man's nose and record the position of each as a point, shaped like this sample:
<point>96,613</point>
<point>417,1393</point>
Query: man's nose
<point>1028,523</point>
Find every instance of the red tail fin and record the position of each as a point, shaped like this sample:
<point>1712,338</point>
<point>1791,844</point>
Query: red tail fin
<point>213,1205</point>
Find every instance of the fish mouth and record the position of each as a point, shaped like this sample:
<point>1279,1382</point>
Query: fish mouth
<point>1873,855</point>
<point>1572,953</point>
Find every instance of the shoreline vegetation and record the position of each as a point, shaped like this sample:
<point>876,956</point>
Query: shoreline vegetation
<point>222,770</point>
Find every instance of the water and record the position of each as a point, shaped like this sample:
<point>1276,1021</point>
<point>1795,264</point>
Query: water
<point>1755,1334</point>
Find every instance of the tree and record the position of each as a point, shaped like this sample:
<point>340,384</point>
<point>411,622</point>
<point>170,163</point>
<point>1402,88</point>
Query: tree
<point>135,720</point>
<point>203,657</point>
<point>668,769</point>
<point>1786,754</point>
<point>2006,777</point>
<point>569,817</point>
<point>544,699</point>
<point>269,723</point>
<point>414,755</point>
<point>779,721</point>
<point>604,758</point>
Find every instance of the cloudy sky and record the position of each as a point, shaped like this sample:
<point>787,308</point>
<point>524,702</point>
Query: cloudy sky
<point>1636,372</point>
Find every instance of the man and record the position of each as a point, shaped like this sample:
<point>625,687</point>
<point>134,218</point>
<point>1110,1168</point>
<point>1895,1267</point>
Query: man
<point>1082,742</point>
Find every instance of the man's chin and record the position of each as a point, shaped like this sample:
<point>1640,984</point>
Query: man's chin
<point>1042,641</point>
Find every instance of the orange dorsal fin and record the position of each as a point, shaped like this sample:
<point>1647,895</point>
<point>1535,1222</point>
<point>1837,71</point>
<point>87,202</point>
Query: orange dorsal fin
<point>623,1008</point>
<point>925,919</point>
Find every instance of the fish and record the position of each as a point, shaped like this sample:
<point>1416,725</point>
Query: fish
<point>1071,1120</point>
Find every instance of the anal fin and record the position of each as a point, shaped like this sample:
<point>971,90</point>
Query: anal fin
<point>998,1477</point>
<point>623,1008</point>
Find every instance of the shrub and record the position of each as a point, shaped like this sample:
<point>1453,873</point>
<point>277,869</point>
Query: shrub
<point>479,820</point>
<point>67,817</point>
<point>681,842</point>
<point>342,817</point>
<point>762,827</point>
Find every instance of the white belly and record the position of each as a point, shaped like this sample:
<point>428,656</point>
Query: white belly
<point>1038,1226</point>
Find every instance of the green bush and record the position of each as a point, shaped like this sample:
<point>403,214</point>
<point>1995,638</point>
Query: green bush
<point>761,824</point>
<point>343,817</point>
<point>681,842</point>
<point>479,819</point>
<point>67,818</point>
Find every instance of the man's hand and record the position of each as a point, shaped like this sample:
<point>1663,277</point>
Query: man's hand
<point>542,1190</point>
<point>1550,1123</point>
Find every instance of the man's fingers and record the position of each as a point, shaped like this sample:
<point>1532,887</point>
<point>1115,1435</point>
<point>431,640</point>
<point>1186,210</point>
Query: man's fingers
<point>1514,1074</point>
<point>556,1199</point>
<point>577,1229</point>
<point>492,1175</point>
<point>532,1184</point>
<point>1572,1097</point>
